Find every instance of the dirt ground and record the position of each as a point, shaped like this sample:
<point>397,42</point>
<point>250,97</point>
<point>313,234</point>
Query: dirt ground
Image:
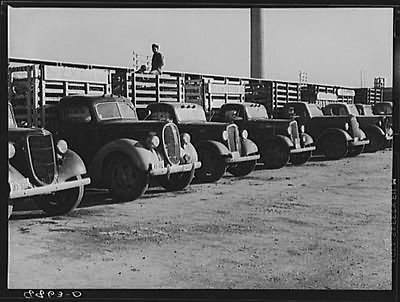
<point>325,225</point>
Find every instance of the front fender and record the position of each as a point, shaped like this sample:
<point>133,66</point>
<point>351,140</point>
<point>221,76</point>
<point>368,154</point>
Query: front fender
<point>141,157</point>
<point>214,145</point>
<point>373,129</point>
<point>71,165</point>
<point>339,131</point>
<point>307,139</point>
<point>284,139</point>
<point>249,147</point>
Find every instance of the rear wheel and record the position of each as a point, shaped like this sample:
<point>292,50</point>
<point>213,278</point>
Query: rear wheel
<point>61,202</point>
<point>212,165</point>
<point>125,181</point>
<point>354,151</point>
<point>275,154</point>
<point>242,169</point>
<point>334,146</point>
<point>300,158</point>
<point>176,181</point>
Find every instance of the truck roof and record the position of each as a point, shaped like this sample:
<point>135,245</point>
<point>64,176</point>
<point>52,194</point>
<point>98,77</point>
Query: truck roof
<point>83,98</point>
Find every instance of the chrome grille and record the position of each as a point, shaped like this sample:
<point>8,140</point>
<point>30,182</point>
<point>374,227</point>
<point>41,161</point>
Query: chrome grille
<point>172,143</point>
<point>233,138</point>
<point>295,130</point>
<point>43,162</point>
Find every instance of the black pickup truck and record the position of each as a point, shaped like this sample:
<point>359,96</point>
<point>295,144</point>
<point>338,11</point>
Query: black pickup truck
<point>375,127</point>
<point>334,136</point>
<point>385,109</point>
<point>279,140</point>
<point>221,146</point>
<point>48,172</point>
<point>121,152</point>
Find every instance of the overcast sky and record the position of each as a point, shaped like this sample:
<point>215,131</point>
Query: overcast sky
<point>332,45</point>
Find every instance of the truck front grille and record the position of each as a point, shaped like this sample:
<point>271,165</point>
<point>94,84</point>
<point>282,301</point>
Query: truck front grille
<point>171,143</point>
<point>233,138</point>
<point>294,130</point>
<point>43,162</point>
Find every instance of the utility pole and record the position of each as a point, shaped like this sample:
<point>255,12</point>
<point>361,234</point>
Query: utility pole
<point>257,51</point>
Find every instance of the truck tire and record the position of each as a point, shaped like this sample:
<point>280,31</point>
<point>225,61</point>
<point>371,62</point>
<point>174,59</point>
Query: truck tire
<point>242,169</point>
<point>300,158</point>
<point>125,181</point>
<point>212,165</point>
<point>376,142</point>
<point>275,154</point>
<point>62,202</point>
<point>354,151</point>
<point>176,181</point>
<point>334,146</point>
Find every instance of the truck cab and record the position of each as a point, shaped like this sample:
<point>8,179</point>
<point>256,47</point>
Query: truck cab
<point>43,170</point>
<point>279,140</point>
<point>384,109</point>
<point>377,128</point>
<point>121,152</point>
<point>335,136</point>
<point>221,146</point>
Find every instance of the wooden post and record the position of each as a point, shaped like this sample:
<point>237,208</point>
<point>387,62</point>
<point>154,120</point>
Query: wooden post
<point>133,88</point>
<point>157,81</point>
<point>87,88</point>
<point>29,109</point>
<point>226,81</point>
<point>65,87</point>
<point>42,101</point>
<point>126,84</point>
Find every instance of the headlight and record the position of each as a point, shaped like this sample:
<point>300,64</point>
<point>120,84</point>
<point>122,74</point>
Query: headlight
<point>186,138</point>
<point>346,126</point>
<point>225,135</point>
<point>289,130</point>
<point>155,141</point>
<point>11,150</point>
<point>303,128</point>
<point>245,134</point>
<point>62,146</point>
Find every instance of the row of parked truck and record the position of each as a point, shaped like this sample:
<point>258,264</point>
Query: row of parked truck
<point>99,140</point>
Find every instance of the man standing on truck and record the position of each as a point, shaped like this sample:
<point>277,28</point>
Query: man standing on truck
<point>157,61</point>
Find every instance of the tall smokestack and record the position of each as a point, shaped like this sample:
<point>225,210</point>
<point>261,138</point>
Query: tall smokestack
<point>257,54</point>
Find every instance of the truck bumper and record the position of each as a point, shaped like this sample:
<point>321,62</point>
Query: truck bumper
<point>301,150</point>
<point>235,157</point>
<point>174,169</point>
<point>357,142</point>
<point>17,190</point>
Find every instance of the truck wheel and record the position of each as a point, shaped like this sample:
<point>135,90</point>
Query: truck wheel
<point>176,181</point>
<point>62,202</point>
<point>354,151</point>
<point>125,181</point>
<point>242,169</point>
<point>275,154</point>
<point>212,166</point>
<point>300,158</point>
<point>334,146</point>
<point>376,142</point>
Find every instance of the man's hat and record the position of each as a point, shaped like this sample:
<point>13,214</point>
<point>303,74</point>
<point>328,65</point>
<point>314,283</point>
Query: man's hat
<point>155,45</point>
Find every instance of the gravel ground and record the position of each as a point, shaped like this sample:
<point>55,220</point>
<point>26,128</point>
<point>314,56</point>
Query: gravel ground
<point>324,225</point>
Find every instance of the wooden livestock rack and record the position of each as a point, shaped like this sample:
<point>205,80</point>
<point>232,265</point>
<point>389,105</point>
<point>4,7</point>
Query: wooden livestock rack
<point>368,95</point>
<point>35,89</point>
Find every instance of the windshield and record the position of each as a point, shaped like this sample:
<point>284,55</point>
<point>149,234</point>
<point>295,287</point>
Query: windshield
<point>256,112</point>
<point>115,110</point>
<point>190,115</point>
<point>353,110</point>
<point>383,108</point>
<point>368,110</point>
<point>160,115</point>
<point>314,110</point>
<point>11,118</point>
<point>76,113</point>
